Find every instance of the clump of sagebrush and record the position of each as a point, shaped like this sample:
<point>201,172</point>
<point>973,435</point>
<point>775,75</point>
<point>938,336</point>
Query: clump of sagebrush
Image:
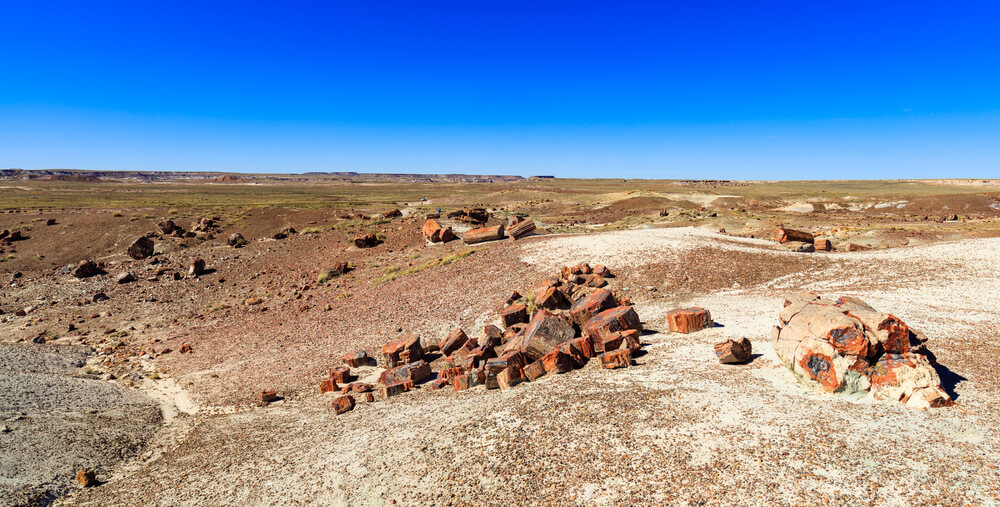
<point>393,272</point>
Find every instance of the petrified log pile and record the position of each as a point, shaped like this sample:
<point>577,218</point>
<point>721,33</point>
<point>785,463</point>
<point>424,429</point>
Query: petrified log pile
<point>846,346</point>
<point>581,323</point>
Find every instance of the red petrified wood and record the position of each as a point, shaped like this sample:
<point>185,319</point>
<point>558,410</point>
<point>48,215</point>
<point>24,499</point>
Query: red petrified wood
<point>343,404</point>
<point>514,314</point>
<point>621,358</point>
<point>783,235</point>
<point>733,351</point>
<point>689,320</point>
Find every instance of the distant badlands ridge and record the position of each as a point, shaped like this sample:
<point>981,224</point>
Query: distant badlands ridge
<point>223,177</point>
<point>84,175</point>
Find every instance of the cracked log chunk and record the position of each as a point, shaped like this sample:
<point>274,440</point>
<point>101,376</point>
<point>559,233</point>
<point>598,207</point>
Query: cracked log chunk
<point>392,351</point>
<point>689,320</point>
<point>268,396</point>
<point>168,227</point>
<point>450,373</point>
<point>521,229</point>
<point>628,339</point>
<point>557,362</point>
<point>340,374</point>
<point>356,359</point>
<point>823,245</point>
<point>343,404</point>
<point>435,233</point>
<point>598,301</point>
<point>602,271</point>
<point>455,340</point>
<point>534,371</point>
<point>621,318</point>
<point>493,368</point>
<point>390,390</point>
<point>463,356</point>
<point>197,267</point>
<point>85,269</point>
<point>514,314</point>
<point>366,241</point>
<point>86,478</point>
<point>783,235</point>
<point>552,299</point>
<point>416,371</point>
<point>483,234</point>
<point>621,358</point>
<point>733,351</point>
<point>328,386</point>
<point>140,248</point>
<point>580,350</point>
<point>509,377</point>
<point>544,333</point>
<point>492,336</point>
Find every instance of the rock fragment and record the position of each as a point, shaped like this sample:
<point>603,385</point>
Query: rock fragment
<point>140,248</point>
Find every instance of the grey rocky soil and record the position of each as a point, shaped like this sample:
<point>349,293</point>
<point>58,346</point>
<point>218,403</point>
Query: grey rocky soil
<point>54,420</point>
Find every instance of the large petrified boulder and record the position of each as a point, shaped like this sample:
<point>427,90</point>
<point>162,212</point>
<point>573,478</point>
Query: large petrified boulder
<point>846,346</point>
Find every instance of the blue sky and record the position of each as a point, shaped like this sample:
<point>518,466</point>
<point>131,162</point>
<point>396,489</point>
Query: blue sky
<point>748,90</point>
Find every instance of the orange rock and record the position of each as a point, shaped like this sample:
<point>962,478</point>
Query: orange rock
<point>343,404</point>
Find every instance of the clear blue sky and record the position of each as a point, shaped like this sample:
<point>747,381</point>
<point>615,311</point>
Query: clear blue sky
<point>779,90</point>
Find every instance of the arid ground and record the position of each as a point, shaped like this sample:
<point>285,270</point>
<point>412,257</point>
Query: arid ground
<point>100,383</point>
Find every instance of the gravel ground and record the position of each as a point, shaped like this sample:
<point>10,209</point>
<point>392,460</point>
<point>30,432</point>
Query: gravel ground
<point>53,424</point>
<point>675,428</point>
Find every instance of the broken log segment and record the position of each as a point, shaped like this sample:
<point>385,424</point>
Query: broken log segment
<point>521,229</point>
<point>783,235</point>
<point>483,234</point>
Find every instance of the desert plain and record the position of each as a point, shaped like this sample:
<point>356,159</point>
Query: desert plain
<point>152,381</point>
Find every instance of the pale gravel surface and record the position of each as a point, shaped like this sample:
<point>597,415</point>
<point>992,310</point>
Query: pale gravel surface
<point>677,428</point>
<point>53,423</point>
